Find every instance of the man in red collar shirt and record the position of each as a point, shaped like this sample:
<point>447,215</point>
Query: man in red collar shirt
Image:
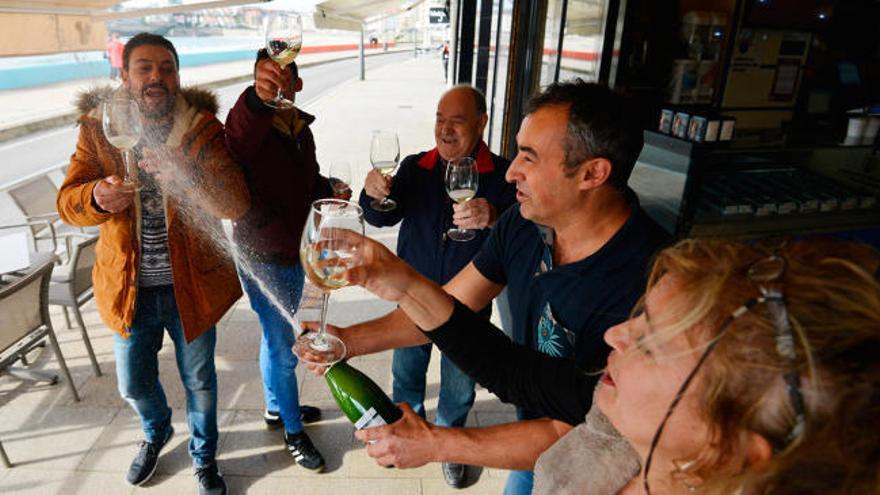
<point>427,213</point>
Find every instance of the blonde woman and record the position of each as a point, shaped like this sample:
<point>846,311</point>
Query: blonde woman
<point>748,369</point>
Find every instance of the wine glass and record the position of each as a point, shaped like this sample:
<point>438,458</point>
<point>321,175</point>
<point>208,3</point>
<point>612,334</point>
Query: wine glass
<point>283,42</point>
<point>340,178</point>
<point>384,155</point>
<point>462,179</point>
<point>123,128</point>
<point>326,252</point>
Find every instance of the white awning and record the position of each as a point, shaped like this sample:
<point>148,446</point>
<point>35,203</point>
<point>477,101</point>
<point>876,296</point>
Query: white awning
<point>101,9</point>
<point>351,15</point>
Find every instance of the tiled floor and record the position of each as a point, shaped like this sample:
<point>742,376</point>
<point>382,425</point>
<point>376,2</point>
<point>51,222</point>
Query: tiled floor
<point>62,446</point>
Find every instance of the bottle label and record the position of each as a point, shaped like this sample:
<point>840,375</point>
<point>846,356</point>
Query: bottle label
<point>370,419</point>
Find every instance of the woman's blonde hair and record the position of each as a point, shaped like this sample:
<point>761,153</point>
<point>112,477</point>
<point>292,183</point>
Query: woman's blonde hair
<point>833,300</point>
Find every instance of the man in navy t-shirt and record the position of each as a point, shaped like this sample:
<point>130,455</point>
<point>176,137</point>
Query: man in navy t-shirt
<point>574,253</point>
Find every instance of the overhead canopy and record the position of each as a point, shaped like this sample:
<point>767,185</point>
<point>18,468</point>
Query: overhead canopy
<point>73,25</point>
<point>101,9</point>
<point>351,15</point>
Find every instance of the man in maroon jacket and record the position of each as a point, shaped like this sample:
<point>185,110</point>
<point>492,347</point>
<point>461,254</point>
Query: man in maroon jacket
<point>276,151</point>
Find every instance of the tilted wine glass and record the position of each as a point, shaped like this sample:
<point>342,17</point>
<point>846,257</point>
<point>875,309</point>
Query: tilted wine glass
<point>326,252</point>
<point>123,128</point>
<point>283,42</point>
<point>384,155</point>
<point>462,180</point>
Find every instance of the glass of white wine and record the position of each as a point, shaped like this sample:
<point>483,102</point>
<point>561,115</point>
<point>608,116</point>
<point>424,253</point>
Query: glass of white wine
<point>283,42</point>
<point>327,250</point>
<point>384,155</point>
<point>462,179</point>
<point>123,128</point>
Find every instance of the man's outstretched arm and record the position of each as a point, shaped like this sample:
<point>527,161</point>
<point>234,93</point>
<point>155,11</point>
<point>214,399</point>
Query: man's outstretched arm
<point>412,442</point>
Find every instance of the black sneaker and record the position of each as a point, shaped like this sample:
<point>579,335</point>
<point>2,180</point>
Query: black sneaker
<point>210,480</point>
<point>144,464</point>
<point>307,414</point>
<point>454,474</point>
<point>304,452</point>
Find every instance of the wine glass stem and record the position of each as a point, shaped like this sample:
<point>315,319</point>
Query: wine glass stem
<point>129,174</point>
<point>325,302</point>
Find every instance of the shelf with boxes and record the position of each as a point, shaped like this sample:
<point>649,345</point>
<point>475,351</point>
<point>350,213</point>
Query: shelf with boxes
<point>737,189</point>
<point>695,125</point>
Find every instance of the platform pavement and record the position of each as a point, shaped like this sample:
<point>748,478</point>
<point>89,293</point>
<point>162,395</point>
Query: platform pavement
<point>27,110</point>
<point>65,447</point>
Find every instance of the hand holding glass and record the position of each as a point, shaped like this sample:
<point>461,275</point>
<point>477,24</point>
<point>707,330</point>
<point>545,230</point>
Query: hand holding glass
<point>384,155</point>
<point>462,179</point>
<point>283,42</point>
<point>340,175</point>
<point>123,128</point>
<point>326,252</point>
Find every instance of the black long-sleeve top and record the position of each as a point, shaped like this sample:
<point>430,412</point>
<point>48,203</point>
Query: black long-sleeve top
<point>554,387</point>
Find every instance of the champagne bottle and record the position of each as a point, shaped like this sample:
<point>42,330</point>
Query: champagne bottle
<point>362,401</point>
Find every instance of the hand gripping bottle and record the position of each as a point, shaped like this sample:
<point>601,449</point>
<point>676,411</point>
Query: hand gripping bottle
<point>362,401</point>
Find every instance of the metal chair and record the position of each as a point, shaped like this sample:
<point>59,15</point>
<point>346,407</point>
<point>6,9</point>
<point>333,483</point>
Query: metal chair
<point>71,286</point>
<point>36,199</point>
<point>24,321</point>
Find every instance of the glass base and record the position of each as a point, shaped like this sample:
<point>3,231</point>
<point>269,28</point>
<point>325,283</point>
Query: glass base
<point>386,204</point>
<point>280,103</point>
<point>461,235</point>
<point>313,348</point>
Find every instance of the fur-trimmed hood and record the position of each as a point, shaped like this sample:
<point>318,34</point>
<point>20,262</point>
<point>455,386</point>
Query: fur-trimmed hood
<point>191,108</point>
<point>202,99</point>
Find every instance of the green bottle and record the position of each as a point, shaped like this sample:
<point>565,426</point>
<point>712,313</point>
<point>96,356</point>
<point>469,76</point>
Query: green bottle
<point>362,401</point>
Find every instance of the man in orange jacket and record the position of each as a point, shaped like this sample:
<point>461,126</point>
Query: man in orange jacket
<point>156,269</point>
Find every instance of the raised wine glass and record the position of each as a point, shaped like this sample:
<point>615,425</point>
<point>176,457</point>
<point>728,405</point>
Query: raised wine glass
<point>123,128</point>
<point>384,155</point>
<point>462,179</point>
<point>340,178</point>
<point>326,252</point>
<point>283,42</point>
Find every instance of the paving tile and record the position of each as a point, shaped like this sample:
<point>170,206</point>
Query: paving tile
<point>25,481</point>
<point>53,438</point>
<point>117,445</point>
<point>362,465</point>
<point>239,384</point>
<point>483,486</point>
<point>249,449</point>
<point>238,340</point>
<point>182,483</point>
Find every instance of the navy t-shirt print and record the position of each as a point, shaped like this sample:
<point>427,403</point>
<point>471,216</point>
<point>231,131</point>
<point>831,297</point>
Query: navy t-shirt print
<point>553,339</point>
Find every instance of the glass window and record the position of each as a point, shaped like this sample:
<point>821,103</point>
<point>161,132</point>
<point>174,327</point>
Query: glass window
<point>496,88</point>
<point>550,57</point>
<point>582,40</point>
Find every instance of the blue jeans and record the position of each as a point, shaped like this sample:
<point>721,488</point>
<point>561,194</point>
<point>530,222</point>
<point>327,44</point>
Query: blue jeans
<point>408,368</point>
<point>137,371</point>
<point>519,483</point>
<point>277,361</point>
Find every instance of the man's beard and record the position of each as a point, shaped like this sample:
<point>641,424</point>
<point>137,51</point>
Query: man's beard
<point>159,110</point>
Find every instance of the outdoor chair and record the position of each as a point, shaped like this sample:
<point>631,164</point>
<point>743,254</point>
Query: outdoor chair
<point>24,321</point>
<point>36,199</point>
<point>71,286</point>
